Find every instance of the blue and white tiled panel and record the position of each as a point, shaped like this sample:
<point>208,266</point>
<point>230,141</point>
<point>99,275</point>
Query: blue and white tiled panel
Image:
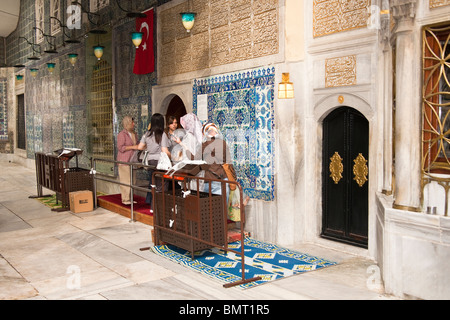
<point>34,134</point>
<point>135,111</point>
<point>68,131</point>
<point>241,105</point>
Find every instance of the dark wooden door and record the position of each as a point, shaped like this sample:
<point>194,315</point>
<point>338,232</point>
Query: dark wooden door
<point>345,177</point>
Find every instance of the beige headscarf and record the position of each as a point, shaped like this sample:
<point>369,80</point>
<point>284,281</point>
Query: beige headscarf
<point>127,123</point>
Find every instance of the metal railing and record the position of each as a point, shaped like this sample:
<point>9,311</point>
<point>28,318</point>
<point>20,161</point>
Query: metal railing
<point>200,221</point>
<point>132,186</point>
<point>54,173</point>
<point>187,218</point>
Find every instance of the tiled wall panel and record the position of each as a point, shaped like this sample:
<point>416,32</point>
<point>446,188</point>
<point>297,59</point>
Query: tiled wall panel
<point>241,105</point>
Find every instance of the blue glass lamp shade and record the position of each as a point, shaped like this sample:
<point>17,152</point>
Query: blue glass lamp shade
<point>51,67</point>
<point>188,19</point>
<point>98,52</point>
<point>34,72</point>
<point>136,37</point>
<point>73,57</point>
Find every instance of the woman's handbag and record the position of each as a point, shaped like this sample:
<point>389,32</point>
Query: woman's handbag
<point>135,157</point>
<point>164,162</point>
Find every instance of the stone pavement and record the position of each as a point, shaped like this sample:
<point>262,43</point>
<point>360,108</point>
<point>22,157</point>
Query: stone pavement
<point>96,255</point>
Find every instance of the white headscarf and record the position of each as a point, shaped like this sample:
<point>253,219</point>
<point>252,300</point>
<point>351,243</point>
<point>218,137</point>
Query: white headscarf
<point>192,125</point>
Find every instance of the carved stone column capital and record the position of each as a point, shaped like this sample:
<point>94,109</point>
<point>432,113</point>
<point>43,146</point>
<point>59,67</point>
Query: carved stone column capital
<point>403,9</point>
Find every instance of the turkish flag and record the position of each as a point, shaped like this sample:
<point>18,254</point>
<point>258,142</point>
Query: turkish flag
<point>144,61</point>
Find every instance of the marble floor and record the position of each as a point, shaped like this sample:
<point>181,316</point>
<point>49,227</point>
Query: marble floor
<point>96,255</point>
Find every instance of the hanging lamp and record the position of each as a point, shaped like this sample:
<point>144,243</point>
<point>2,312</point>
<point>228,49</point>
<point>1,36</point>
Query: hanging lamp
<point>136,38</point>
<point>51,67</point>
<point>73,57</point>
<point>34,72</point>
<point>98,51</point>
<point>285,88</point>
<point>188,18</point>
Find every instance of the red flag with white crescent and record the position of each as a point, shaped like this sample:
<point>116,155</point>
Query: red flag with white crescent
<point>144,61</point>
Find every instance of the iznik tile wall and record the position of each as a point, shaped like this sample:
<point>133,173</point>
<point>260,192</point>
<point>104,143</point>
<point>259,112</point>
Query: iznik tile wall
<point>241,105</point>
<point>57,109</point>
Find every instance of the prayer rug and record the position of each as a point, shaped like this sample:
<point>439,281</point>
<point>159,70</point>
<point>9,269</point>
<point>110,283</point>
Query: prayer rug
<point>51,202</point>
<point>116,199</point>
<point>268,261</point>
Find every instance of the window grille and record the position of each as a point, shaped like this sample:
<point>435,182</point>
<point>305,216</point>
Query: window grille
<point>101,111</point>
<point>436,109</point>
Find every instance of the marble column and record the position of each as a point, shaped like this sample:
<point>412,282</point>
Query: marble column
<point>385,94</point>
<point>407,138</point>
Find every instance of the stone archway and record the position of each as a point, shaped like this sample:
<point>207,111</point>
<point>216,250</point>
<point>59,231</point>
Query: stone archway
<point>175,108</point>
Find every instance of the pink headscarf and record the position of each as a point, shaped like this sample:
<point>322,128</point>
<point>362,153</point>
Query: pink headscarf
<point>191,124</point>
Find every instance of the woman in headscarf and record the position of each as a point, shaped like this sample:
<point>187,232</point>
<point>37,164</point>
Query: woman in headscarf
<point>192,140</point>
<point>219,166</point>
<point>126,146</point>
<point>216,154</point>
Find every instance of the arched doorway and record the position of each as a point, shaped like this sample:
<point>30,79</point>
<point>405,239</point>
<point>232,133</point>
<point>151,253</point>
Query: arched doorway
<point>345,173</point>
<point>176,108</point>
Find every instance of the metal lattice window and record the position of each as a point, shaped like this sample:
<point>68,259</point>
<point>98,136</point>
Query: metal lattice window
<point>436,100</point>
<point>101,111</point>
<point>436,112</point>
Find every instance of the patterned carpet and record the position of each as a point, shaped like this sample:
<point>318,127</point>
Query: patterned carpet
<point>51,202</point>
<point>268,261</point>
